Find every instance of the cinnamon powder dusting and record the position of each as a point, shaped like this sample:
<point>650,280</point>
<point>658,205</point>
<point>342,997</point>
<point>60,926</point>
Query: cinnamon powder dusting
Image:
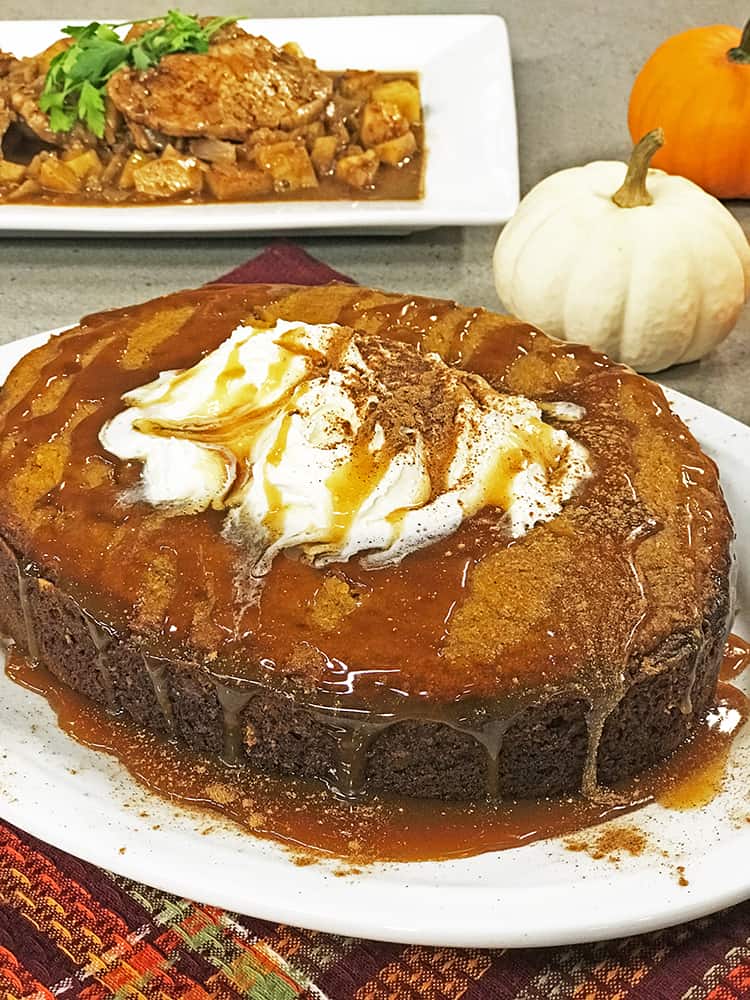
<point>610,843</point>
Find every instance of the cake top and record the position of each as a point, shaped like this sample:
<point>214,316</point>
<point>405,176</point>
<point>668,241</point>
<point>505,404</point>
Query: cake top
<point>633,551</point>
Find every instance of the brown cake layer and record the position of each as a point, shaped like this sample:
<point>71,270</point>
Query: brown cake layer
<point>583,651</point>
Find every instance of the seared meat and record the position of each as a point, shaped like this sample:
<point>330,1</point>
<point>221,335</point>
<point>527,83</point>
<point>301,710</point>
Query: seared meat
<point>236,87</point>
<point>7,61</point>
<point>22,86</point>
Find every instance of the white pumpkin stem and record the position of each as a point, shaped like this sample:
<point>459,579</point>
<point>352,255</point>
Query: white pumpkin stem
<point>634,192</point>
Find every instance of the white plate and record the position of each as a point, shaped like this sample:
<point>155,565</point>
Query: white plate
<point>536,895</point>
<point>470,133</point>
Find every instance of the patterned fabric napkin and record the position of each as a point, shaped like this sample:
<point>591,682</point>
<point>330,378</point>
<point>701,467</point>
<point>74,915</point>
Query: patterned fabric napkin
<point>70,930</point>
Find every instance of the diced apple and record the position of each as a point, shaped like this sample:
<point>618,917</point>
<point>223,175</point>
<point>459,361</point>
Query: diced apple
<point>167,177</point>
<point>27,189</point>
<point>358,169</point>
<point>404,94</point>
<point>293,49</point>
<point>11,173</point>
<point>234,183</point>
<point>381,121</point>
<point>54,175</point>
<point>46,57</point>
<point>323,154</point>
<point>358,83</point>
<point>396,151</point>
<point>289,165</point>
<point>127,177</point>
<point>86,164</point>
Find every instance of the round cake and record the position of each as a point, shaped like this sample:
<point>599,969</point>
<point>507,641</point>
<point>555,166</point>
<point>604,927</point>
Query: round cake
<point>382,541</point>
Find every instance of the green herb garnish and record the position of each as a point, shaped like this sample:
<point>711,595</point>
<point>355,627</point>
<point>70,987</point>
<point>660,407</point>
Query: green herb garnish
<point>75,85</point>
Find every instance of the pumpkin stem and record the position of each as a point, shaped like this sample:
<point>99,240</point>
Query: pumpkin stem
<point>741,54</point>
<point>634,192</point>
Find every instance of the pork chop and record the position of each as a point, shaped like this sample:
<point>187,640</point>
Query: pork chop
<point>239,85</point>
<point>7,61</point>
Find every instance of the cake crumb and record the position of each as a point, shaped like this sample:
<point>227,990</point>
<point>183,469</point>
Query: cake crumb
<point>681,880</point>
<point>123,850</point>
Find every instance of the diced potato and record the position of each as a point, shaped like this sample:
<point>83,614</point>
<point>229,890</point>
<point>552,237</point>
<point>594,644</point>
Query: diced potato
<point>11,173</point>
<point>358,83</point>
<point>127,177</point>
<point>168,176</point>
<point>54,175</point>
<point>233,183</point>
<point>396,151</point>
<point>289,165</point>
<point>381,121</point>
<point>404,94</point>
<point>323,154</point>
<point>86,164</point>
<point>358,169</point>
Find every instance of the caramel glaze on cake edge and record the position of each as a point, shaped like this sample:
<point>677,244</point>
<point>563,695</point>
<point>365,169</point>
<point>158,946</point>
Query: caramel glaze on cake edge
<point>579,654</point>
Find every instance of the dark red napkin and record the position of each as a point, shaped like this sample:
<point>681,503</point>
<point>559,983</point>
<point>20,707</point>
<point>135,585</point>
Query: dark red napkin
<point>71,931</point>
<point>283,262</point>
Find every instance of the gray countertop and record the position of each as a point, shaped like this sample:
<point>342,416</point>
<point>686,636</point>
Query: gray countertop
<point>574,65</point>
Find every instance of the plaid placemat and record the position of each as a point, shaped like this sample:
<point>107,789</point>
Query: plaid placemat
<point>70,930</point>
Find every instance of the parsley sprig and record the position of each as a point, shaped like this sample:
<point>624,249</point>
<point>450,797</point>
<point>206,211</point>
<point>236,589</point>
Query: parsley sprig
<point>75,85</point>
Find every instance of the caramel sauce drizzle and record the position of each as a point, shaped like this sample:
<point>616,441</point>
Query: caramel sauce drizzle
<point>736,657</point>
<point>157,672</point>
<point>28,622</point>
<point>305,817</point>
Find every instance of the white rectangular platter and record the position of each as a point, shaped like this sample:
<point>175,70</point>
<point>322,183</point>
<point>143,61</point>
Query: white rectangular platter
<point>471,175</point>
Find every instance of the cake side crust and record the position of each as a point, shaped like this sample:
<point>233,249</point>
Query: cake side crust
<point>272,730</point>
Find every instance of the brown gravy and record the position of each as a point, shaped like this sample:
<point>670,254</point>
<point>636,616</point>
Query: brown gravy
<point>307,819</point>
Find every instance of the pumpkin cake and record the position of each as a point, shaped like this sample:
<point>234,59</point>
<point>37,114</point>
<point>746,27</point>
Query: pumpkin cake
<point>382,541</point>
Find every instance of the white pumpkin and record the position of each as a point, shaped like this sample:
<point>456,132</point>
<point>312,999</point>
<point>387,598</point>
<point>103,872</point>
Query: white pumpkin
<point>647,268</point>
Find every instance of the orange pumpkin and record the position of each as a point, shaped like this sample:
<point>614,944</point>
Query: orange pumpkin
<point>696,87</point>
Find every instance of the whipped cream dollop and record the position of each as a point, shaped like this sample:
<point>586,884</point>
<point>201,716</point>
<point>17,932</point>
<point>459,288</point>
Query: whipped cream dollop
<point>333,443</point>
